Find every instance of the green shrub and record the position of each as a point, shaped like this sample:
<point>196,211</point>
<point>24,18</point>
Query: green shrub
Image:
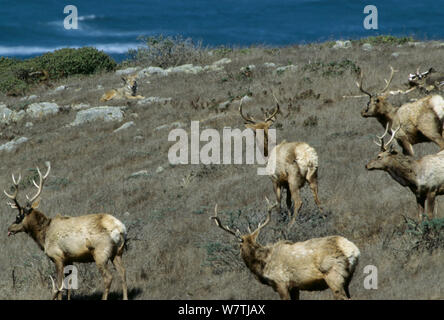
<point>66,62</point>
<point>425,235</point>
<point>164,52</point>
<point>385,39</point>
<point>17,76</point>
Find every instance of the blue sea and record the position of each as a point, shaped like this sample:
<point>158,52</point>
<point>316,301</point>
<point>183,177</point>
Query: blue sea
<point>30,27</point>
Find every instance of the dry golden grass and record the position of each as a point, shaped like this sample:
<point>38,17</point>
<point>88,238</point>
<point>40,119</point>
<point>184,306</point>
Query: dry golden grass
<point>167,212</point>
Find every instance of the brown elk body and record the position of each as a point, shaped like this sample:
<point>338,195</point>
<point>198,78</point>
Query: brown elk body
<point>290,166</point>
<point>128,91</point>
<point>424,177</point>
<point>288,267</point>
<point>90,238</point>
<point>419,121</point>
<point>260,125</point>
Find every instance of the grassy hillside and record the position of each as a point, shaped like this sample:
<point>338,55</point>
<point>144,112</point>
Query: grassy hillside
<point>175,251</point>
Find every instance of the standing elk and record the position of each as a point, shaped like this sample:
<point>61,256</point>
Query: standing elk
<point>65,240</point>
<point>424,177</point>
<point>313,265</point>
<point>261,125</point>
<point>419,121</point>
<point>290,166</point>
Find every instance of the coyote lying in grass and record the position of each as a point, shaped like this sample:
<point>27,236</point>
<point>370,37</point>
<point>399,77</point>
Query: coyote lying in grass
<point>128,91</point>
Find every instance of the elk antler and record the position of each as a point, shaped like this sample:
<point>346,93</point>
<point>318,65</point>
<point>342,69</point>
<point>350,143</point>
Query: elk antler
<point>40,185</point>
<point>275,111</point>
<point>249,119</point>
<point>219,224</point>
<point>381,138</point>
<point>359,84</point>
<point>13,197</point>
<point>392,73</point>
<point>267,220</point>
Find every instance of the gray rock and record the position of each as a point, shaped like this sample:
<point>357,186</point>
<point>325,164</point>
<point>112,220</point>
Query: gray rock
<point>221,62</point>
<point>151,71</point>
<point>11,145</point>
<point>6,114</point>
<point>249,67</point>
<point>42,109</point>
<point>342,44</point>
<point>140,173</point>
<point>126,71</point>
<point>124,126</point>
<point>269,64</point>
<point>367,47</point>
<point>151,100</point>
<point>176,124</point>
<point>159,169</point>
<point>103,113</point>
<point>60,88</point>
<point>395,54</point>
<point>138,138</point>
<point>283,69</point>
<point>31,97</point>
<point>80,106</point>
<point>28,124</point>
<point>186,68</point>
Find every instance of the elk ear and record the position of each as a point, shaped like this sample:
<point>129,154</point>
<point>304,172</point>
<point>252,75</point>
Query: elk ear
<point>35,204</point>
<point>392,150</point>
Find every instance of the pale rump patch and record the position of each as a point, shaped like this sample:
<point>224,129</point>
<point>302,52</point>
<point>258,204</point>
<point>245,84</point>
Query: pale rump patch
<point>306,157</point>
<point>350,250</point>
<point>437,103</point>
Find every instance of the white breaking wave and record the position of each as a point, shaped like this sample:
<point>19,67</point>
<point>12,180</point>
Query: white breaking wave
<point>33,50</point>
<point>87,17</point>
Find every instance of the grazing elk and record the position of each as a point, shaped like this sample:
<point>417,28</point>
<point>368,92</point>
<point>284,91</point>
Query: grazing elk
<point>424,177</point>
<point>419,121</point>
<point>261,125</point>
<point>290,166</point>
<point>65,240</point>
<point>128,91</point>
<point>426,81</point>
<point>313,265</point>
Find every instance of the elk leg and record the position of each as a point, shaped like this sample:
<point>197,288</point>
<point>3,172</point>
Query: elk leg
<point>107,276</point>
<point>431,203</point>
<point>420,200</point>
<point>313,182</point>
<point>407,147</point>
<point>335,282</point>
<point>59,280</point>
<point>118,264</point>
<point>283,291</point>
<point>294,190</point>
<point>294,294</point>
<point>277,191</point>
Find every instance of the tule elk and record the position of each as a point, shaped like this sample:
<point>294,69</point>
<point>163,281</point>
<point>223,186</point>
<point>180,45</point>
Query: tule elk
<point>65,240</point>
<point>288,267</point>
<point>419,121</point>
<point>424,177</point>
<point>290,166</point>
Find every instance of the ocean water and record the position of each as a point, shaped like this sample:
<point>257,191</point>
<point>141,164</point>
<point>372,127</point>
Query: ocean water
<point>30,27</point>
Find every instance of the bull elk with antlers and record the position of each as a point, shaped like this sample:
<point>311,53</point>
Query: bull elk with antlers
<point>290,166</point>
<point>419,121</point>
<point>90,238</point>
<point>424,177</point>
<point>261,125</point>
<point>313,265</point>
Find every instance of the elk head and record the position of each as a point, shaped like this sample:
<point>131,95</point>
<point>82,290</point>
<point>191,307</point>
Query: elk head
<point>247,241</point>
<point>377,103</point>
<point>386,153</point>
<point>26,218</point>
<point>261,125</point>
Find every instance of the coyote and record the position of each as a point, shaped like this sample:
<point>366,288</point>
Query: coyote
<point>128,91</point>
